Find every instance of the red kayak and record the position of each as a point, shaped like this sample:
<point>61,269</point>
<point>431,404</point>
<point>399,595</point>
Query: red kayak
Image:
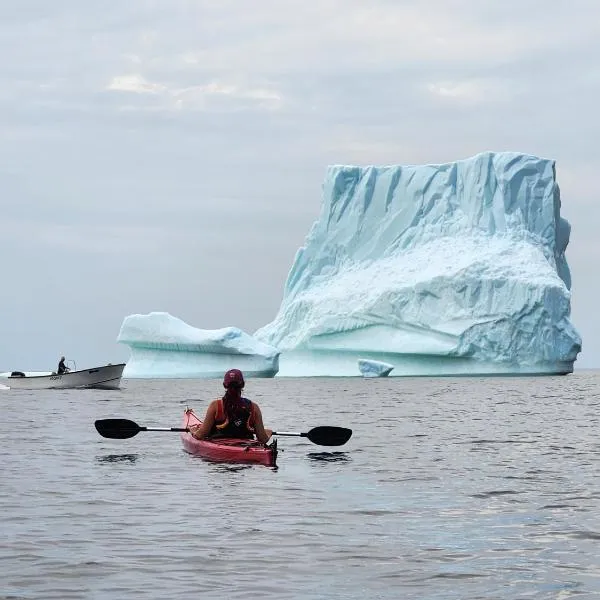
<point>229,450</point>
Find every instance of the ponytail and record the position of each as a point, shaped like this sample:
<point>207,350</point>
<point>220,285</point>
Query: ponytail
<point>232,402</point>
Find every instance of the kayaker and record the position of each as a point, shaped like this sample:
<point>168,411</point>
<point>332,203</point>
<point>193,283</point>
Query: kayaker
<point>62,368</point>
<point>233,415</point>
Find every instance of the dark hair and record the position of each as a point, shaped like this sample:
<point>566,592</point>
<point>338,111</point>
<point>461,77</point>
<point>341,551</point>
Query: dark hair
<point>232,401</point>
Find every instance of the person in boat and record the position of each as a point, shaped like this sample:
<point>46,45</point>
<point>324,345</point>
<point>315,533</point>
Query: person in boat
<point>233,416</point>
<point>62,368</point>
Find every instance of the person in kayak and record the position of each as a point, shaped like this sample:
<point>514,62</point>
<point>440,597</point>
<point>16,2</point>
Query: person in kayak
<point>233,416</point>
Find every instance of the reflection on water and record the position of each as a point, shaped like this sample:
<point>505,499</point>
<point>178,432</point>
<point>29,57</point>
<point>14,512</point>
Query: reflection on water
<point>329,456</point>
<point>228,468</point>
<point>116,458</point>
<point>219,467</point>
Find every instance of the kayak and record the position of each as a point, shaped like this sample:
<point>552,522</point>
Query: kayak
<point>229,450</point>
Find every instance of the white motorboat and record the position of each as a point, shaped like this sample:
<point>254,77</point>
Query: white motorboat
<point>107,377</point>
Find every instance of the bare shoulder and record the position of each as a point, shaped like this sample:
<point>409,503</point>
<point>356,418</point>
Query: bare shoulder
<point>212,407</point>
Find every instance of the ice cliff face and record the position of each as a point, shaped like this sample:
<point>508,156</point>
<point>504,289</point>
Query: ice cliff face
<point>436,269</point>
<point>165,346</point>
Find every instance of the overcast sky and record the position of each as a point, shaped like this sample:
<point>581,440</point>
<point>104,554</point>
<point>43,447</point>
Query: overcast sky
<point>169,155</point>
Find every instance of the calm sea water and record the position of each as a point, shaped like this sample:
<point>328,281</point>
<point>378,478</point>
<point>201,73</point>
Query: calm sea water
<point>449,488</point>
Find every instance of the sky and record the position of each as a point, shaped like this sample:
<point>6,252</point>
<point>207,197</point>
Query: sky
<point>169,155</point>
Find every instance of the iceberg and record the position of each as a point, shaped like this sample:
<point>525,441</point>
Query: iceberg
<point>163,346</point>
<point>374,368</point>
<point>447,269</point>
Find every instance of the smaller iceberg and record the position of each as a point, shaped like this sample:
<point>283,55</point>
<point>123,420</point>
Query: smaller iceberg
<point>163,346</point>
<point>374,368</point>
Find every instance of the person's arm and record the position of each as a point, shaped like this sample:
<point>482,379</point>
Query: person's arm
<point>203,431</point>
<point>263,435</point>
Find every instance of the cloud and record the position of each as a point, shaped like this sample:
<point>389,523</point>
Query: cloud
<point>473,91</point>
<point>274,38</point>
<point>203,97</point>
<point>136,84</point>
<point>212,56</point>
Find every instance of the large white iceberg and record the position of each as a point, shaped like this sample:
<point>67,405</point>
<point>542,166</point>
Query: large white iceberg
<point>456,268</point>
<point>164,346</point>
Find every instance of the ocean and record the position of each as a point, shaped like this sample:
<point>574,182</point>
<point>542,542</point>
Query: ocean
<point>466,488</point>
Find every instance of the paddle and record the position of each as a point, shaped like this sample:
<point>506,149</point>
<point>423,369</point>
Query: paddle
<point>122,429</point>
<point>325,435</point>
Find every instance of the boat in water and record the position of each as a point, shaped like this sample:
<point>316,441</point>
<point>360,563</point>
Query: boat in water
<point>107,377</point>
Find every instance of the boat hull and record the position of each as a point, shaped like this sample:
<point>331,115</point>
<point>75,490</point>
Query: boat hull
<point>227,450</point>
<point>107,377</point>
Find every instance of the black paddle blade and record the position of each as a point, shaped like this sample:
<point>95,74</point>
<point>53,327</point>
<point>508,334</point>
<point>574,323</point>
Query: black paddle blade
<point>118,429</point>
<point>329,436</point>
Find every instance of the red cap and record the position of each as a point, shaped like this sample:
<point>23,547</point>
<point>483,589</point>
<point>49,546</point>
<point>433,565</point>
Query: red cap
<point>233,377</point>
